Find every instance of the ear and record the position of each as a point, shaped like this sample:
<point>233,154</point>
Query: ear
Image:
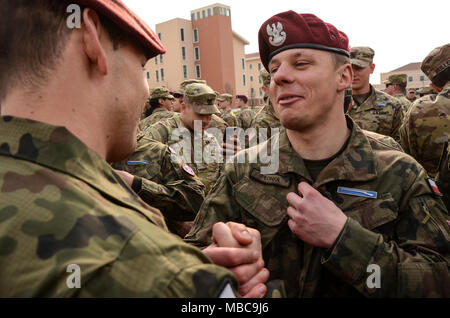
<point>345,77</point>
<point>372,68</point>
<point>92,33</point>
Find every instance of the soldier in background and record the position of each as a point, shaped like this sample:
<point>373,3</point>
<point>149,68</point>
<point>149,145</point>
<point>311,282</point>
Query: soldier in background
<point>342,198</point>
<point>396,87</point>
<point>61,203</point>
<point>425,91</point>
<point>427,125</point>
<point>161,105</point>
<point>411,95</point>
<point>372,109</point>
<point>224,102</point>
<point>176,107</point>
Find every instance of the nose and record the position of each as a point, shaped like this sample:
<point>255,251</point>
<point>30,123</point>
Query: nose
<point>283,74</point>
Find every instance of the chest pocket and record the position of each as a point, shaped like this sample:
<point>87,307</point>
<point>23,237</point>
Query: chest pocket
<point>266,213</point>
<point>374,213</point>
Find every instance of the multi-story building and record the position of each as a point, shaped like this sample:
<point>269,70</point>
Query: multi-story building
<point>416,78</point>
<point>206,47</point>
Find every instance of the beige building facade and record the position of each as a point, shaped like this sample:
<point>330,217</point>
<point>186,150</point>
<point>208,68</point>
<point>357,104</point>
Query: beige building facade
<point>416,78</point>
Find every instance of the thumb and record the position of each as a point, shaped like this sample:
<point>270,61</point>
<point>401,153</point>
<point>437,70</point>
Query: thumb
<point>305,190</point>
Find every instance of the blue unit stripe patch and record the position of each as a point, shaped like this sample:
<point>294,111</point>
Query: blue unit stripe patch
<point>358,192</point>
<point>137,163</point>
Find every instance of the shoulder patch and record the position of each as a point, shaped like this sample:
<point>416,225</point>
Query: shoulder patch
<point>273,179</point>
<point>434,187</point>
<point>188,169</point>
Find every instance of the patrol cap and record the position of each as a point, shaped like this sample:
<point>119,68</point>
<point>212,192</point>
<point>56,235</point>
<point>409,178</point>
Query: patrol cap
<point>224,97</point>
<point>265,77</point>
<point>129,22</point>
<point>411,90</point>
<point>189,82</point>
<point>436,61</point>
<point>201,98</point>
<point>426,90</point>
<point>400,79</point>
<point>161,92</point>
<point>361,56</point>
<point>289,30</point>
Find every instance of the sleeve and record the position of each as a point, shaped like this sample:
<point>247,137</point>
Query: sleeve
<point>399,114</point>
<point>158,265</point>
<point>413,261</point>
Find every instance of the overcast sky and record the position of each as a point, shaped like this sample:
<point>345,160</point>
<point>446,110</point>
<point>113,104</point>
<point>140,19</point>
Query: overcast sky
<point>399,31</point>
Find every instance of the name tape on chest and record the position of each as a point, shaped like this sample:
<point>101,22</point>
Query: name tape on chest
<point>358,192</point>
<point>137,163</point>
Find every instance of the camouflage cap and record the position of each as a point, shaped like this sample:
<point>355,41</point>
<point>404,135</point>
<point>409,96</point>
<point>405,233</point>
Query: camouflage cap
<point>224,97</point>
<point>361,56</point>
<point>189,82</point>
<point>411,90</point>
<point>426,90</point>
<point>265,77</point>
<point>201,98</point>
<point>397,79</point>
<point>437,61</point>
<point>161,92</point>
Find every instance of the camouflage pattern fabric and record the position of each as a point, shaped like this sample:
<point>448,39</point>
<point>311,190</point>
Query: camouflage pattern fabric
<point>157,116</point>
<point>219,123</point>
<point>208,173</point>
<point>426,128</point>
<point>266,117</point>
<point>404,230</point>
<point>246,116</point>
<point>379,113</point>
<point>404,101</point>
<point>443,178</point>
<point>62,204</point>
<point>162,183</point>
<point>231,117</point>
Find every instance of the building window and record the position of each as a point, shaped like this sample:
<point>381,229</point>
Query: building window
<point>243,64</point>
<point>251,78</point>
<point>160,36</point>
<point>156,60</point>
<point>259,66</point>
<point>203,14</point>
<point>193,17</point>
<point>214,11</point>
<point>183,53</point>
<point>195,35</point>
<point>197,69</point>
<point>157,76</point>
<point>161,59</point>
<point>182,35</point>
<point>260,92</point>
<point>198,15</point>
<point>260,81</point>
<point>197,53</point>
<point>410,79</point>
<point>221,11</point>
<point>243,80</point>
<point>209,12</point>
<point>251,66</point>
<point>185,74</point>
<point>148,75</point>
<point>422,78</point>
<point>228,12</point>
<point>162,75</point>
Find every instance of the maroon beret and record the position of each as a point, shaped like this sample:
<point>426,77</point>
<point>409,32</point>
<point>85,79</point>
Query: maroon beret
<point>128,21</point>
<point>290,30</point>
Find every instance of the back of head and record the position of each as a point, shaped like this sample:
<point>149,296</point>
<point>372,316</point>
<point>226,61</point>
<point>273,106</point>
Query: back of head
<point>361,56</point>
<point>436,65</point>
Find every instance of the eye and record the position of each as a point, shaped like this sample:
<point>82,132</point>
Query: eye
<point>301,64</point>
<point>273,70</point>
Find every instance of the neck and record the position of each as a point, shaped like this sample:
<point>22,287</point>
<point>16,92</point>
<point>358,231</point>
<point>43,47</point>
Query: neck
<point>59,104</point>
<point>363,90</point>
<point>319,143</point>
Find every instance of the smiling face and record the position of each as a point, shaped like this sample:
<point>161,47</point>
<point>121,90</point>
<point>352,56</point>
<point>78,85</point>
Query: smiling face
<point>304,87</point>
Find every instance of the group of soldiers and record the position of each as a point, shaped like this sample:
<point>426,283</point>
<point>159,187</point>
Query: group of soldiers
<point>143,217</point>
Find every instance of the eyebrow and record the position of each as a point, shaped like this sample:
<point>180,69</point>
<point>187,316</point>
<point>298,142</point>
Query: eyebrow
<point>294,55</point>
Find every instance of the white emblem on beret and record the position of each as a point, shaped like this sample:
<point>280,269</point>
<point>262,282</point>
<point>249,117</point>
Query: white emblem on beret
<point>276,34</point>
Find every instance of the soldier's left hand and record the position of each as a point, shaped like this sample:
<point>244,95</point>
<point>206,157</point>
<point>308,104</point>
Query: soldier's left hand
<point>313,218</point>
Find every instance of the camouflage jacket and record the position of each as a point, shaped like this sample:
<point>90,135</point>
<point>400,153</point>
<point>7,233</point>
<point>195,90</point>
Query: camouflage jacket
<point>219,123</point>
<point>380,113</point>
<point>443,178</point>
<point>231,117</point>
<point>403,230</point>
<point>266,118</point>
<point>157,116</point>
<point>62,204</point>
<point>161,181</point>
<point>204,166</point>
<point>426,128</point>
<point>406,103</point>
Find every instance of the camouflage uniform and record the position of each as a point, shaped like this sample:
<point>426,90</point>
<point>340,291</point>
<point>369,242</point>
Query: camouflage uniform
<point>403,230</point>
<point>162,183</point>
<point>427,126</point>
<point>62,204</point>
<point>219,123</point>
<point>160,113</point>
<point>404,101</point>
<point>402,80</point>
<point>231,117</point>
<point>443,178</point>
<point>380,113</point>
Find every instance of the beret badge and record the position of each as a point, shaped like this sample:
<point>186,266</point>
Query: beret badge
<point>276,34</point>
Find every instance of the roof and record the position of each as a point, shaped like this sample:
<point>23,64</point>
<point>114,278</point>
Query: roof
<point>252,56</point>
<point>240,38</point>
<point>408,67</point>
